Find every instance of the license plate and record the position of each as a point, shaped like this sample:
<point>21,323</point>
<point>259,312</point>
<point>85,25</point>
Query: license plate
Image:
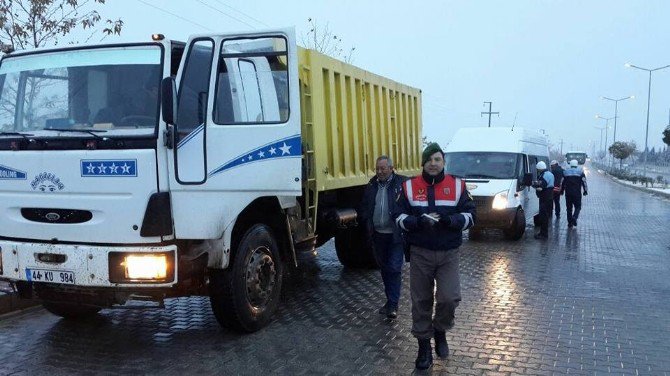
<point>50,276</point>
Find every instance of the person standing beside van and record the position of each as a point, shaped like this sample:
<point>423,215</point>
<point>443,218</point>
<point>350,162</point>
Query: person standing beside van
<point>574,181</point>
<point>557,170</point>
<point>544,188</point>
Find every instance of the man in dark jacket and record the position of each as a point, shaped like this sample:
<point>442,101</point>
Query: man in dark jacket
<point>544,188</point>
<point>557,170</point>
<point>433,210</point>
<point>377,207</point>
<point>574,182</point>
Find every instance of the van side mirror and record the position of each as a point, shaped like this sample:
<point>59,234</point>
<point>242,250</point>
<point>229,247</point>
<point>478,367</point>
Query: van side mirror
<point>527,180</point>
<point>169,100</point>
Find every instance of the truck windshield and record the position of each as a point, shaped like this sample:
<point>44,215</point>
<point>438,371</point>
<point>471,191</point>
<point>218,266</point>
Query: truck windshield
<point>113,89</point>
<point>483,165</point>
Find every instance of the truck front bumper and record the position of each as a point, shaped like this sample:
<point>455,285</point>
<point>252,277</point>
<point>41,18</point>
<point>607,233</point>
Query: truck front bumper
<point>82,265</point>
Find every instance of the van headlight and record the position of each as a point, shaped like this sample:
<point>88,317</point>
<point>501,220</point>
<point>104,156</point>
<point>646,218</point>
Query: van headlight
<point>500,200</point>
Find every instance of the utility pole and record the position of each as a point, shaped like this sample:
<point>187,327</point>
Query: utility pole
<point>489,112</point>
<point>561,146</point>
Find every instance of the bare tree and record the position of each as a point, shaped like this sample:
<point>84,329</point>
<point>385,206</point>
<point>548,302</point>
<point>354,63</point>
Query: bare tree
<point>36,23</point>
<point>324,40</point>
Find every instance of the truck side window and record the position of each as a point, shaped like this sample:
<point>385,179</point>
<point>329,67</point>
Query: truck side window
<point>194,86</point>
<point>252,82</point>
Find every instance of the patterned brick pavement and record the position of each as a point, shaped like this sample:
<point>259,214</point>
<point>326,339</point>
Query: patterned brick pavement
<point>593,300</point>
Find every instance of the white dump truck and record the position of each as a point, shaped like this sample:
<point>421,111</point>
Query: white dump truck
<point>162,169</point>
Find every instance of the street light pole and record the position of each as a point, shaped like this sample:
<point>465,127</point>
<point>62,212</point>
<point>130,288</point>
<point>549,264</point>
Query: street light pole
<point>601,137</point>
<point>646,133</point>
<point>607,127</point>
<point>616,107</point>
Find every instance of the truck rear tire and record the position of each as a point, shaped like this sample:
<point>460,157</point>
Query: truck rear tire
<point>246,295</point>
<point>353,249</point>
<point>70,310</point>
<point>516,231</point>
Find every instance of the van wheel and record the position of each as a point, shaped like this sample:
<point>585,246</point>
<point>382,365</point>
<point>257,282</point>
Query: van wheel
<point>70,310</point>
<point>515,232</point>
<point>353,249</point>
<point>245,296</point>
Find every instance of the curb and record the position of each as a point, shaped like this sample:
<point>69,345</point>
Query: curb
<point>643,189</point>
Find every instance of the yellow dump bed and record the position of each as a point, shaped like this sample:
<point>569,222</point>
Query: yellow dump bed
<point>350,117</point>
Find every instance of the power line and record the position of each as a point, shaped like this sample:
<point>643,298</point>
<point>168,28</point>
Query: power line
<point>174,15</point>
<point>244,14</point>
<point>226,14</point>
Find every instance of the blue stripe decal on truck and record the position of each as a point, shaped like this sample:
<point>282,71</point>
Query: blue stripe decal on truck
<point>289,147</point>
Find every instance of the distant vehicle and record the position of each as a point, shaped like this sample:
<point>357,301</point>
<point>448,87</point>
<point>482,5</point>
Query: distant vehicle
<point>580,156</point>
<point>499,165</point>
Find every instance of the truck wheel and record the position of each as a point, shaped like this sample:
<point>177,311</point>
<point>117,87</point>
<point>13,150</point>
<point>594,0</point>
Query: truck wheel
<point>515,232</point>
<point>245,296</point>
<point>70,310</point>
<point>353,250</point>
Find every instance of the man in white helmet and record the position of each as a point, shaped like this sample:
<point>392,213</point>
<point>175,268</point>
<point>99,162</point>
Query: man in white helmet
<point>544,188</point>
<point>574,181</point>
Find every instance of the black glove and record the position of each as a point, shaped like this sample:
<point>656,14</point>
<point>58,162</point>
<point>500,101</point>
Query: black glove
<point>426,223</point>
<point>445,221</point>
<point>586,193</point>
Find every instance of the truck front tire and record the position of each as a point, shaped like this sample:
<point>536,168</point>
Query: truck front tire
<point>245,296</point>
<point>353,249</point>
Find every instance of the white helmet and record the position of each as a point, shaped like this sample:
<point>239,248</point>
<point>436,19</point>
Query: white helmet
<point>554,162</point>
<point>574,163</point>
<point>541,165</point>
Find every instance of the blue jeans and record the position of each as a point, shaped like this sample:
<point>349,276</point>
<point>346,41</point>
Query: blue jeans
<point>390,257</point>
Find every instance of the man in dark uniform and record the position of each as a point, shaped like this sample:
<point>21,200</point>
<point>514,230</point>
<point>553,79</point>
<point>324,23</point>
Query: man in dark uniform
<point>544,188</point>
<point>557,170</point>
<point>574,181</point>
<point>378,202</point>
<point>433,210</point>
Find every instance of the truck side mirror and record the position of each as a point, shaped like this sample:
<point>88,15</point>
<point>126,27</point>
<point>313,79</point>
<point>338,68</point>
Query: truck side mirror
<point>169,100</point>
<point>527,179</point>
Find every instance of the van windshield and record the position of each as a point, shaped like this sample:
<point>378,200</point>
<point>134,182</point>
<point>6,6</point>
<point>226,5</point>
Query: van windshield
<point>482,165</point>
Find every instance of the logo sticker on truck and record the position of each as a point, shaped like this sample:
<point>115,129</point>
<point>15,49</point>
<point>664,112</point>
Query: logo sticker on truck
<point>8,173</point>
<point>47,182</point>
<point>108,168</point>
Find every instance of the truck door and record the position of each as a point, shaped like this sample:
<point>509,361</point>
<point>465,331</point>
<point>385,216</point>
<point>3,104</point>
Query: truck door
<point>237,128</point>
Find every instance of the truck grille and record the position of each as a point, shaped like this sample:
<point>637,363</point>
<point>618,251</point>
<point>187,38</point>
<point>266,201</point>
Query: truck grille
<point>45,215</point>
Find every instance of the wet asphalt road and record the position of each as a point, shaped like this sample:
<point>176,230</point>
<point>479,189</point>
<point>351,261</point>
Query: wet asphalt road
<point>592,300</point>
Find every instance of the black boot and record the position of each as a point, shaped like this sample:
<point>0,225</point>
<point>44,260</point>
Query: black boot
<point>425,358</point>
<point>441,346</point>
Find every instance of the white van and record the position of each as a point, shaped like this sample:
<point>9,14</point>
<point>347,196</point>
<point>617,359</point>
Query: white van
<point>499,166</point>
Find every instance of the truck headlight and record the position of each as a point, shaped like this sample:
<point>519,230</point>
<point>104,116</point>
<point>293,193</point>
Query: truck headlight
<point>500,200</point>
<point>146,267</point>
<point>141,267</point>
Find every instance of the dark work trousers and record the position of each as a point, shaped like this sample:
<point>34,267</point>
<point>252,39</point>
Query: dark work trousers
<point>390,257</point>
<point>557,204</point>
<point>570,202</point>
<point>546,203</point>
<point>428,268</point>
